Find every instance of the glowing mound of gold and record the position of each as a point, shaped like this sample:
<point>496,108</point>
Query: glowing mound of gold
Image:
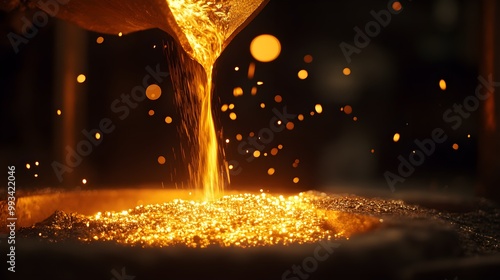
<point>242,220</point>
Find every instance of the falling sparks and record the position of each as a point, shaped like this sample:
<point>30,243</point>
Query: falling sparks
<point>251,70</point>
<point>442,84</point>
<point>455,146</point>
<point>97,135</point>
<point>290,125</point>
<point>120,34</point>
<point>271,171</point>
<point>265,48</point>
<point>253,91</point>
<point>300,117</point>
<point>239,137</point>
<point>168,119</point>
<point>100,40</point>
<point>28,166</point>
<point>81,78</point>
<point>37,163</point>
<point>346,71</point>
<point>153,92</point>
<point>236,68</point>
<point>396,137</point>
<point>224,107</point>
<point>262,105</point>
<point>302,74</point>
<point>296,180</point>
<point>233,116</point>
<point>151,112</point>
<point>58,112</point>
<point>278,98</point>
<point>256,153</point>
<point>84,181</point>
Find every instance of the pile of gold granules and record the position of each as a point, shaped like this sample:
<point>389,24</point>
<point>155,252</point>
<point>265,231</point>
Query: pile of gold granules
<point>241,220</point>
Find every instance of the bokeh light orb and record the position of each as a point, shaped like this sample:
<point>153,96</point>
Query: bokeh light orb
<point>265,48</point>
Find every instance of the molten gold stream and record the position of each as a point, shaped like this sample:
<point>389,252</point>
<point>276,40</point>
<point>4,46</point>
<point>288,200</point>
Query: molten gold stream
<point>204,24</point>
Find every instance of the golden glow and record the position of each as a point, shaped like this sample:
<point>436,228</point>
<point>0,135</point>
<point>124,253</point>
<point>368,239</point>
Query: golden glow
<point>308,58</point>
<point>468,135</point>
<point>120,34</point>
<point>236,68</point>
<point>455,146</point>
<point>233,116</point>
<point>168,119</point>
<point>28,166</point>
<point>84,181</point>
<point>162,160</point>
<point>347,109</point>
<point>58,112</point>
<point>237,91</point>
<point>100,40</point>
<point>36,175</point>
<point>231,106</point>
<point>37,163</point>
<point>346,71</point>
<point>97,135</point>
<point>265,48</point>
<point>256,153</point>
<point>302,74</point>
<point>259,83</point>
<point>153,92</point>
<point>318,108</point>
<point>81,78</point>
<point>227,141</point>
<point>442,84</point>
<point>271,171</point>
<point>224,108</point>
<point>396,137</point>
<point>262,105</point>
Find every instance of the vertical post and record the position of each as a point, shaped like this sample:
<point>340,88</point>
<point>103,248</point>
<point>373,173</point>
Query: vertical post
<point>70,60</point>
<point>489,142</point>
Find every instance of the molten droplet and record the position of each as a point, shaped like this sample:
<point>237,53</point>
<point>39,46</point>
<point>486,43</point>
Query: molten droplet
<point>97,135</point>
<point>224,108</point>
<point>347,109</point>
<point>442,84</point>
<point>296,180</point>
<point>262,105</point>
<point>81,78</point>
<point>318,108</point>
<point>308,58</point>
<point>256,153</point>
<point>253,91</point>
<point>231,106</point>
<point>278,98</point>
<point>151,112</point>
<point>236,68</point>
<point>346,71</point>
<point>84,181</point>
<point>162,160</point>
<point>455,146</point>
<point>290,125</point>
<point>396,6</point>
<point>300,117</point>
<point>302,74</point>
<point>239,137</point>
<point>265,48</point>
<point>233,116</point>
<point>58,112</point>
<point>274,151</point>
<point>100,39</point>
<point>237,91</point>
<point>153,92</point>
<point>168,119</point>
<point>28,166</point>
<point>271,171</point>
<point>396,137</point>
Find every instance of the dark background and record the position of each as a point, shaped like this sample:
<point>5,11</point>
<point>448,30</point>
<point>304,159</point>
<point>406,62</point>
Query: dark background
<point>394,87</point>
